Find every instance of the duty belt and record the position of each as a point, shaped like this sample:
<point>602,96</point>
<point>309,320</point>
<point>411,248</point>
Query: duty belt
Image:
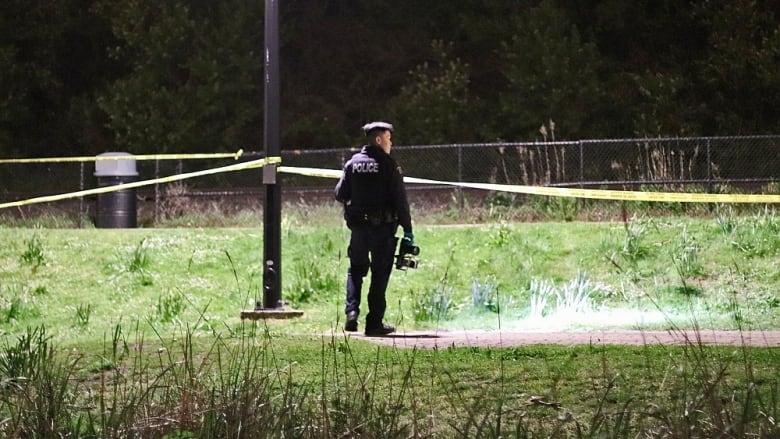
<point>372,217</point>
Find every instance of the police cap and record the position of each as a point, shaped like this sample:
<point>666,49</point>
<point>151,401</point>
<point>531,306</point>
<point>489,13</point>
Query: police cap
<point>373,126</point>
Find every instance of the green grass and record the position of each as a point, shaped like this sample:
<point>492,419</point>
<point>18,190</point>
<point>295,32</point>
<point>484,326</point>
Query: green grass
<point>669,270</point>
<point>119,331</point>
<point>248,381</point>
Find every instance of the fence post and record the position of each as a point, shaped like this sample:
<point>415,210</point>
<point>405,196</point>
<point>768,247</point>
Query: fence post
<point>710,206</point>
<point>582,163</point>
<point>81,199</point>
<point>156,192</point>
<point>458,190</point>
<point>582,171</point>
<point>709,168</point>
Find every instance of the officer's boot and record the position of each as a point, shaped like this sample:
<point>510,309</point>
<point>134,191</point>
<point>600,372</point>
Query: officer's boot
<point>351,324</point>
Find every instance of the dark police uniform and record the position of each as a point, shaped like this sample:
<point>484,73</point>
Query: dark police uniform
<point>374,197</point>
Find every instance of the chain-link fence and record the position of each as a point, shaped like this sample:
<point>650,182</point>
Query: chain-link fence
<point>625,162</point>
<point>750,163</point>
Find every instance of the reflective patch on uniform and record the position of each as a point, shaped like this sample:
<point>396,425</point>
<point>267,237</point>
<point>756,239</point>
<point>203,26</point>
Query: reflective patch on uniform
<point>365,168</point>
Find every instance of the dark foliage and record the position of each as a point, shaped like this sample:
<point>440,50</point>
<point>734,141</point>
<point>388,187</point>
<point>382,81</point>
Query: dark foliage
<point>87,76</point>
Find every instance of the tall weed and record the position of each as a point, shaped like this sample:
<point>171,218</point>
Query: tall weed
<point>436,302</point>
<point>540,292</point>
<point>240,384</point>
<point>757,236</point>
<point>313,279</point>
<point>83,313</point>
<point>170,306</point>
<point>574,297</point>
<point>38,389</point>
<point>634,247</point>
<point>726,220</point>
<point>560,208</point>
<point>16,306</point>
<point>139,258</point>
<point>685,257</point>
<point>484,294</point>
<point>135,263</point>
<point>35,252</point>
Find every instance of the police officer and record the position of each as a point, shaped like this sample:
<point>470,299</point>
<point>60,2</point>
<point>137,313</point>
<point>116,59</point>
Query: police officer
<point>374,197</point>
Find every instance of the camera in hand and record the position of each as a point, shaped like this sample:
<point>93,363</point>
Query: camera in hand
<point>405,257</point>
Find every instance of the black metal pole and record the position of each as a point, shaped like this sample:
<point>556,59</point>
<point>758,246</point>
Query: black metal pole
<point>272,208</point>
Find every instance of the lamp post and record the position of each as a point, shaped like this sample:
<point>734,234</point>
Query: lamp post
<point>272,270</point>
<point>272,305</point>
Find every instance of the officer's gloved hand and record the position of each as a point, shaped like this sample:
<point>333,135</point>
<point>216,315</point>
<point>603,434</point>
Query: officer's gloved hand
<point>408,238</point>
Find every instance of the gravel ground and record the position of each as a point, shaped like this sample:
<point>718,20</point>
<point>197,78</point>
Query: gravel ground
<point>444,339</point>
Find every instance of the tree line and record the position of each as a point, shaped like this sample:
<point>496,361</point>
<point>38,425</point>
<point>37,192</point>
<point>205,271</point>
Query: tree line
<point>88,76</point>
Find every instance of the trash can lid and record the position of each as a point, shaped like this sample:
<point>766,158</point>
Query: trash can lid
<point>115,167</point>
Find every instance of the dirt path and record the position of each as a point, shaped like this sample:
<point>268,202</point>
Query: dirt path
<point>444,339</point>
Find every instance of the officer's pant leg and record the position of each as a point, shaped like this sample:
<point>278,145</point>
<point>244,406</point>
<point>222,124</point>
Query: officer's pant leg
<point>381,267</point>
<point>358,268</point>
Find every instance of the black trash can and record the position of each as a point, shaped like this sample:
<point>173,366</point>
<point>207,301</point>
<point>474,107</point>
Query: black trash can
<point>117,209</point>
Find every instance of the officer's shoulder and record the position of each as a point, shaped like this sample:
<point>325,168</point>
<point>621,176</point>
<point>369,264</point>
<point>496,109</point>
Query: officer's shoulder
<point>360,155</point>
<point>391,165</point>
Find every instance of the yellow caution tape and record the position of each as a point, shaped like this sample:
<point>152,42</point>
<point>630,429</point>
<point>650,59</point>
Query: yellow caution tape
<point>236,167</point>
<point>311,172</point>
<point>234,156</point>
<point>600,194</point>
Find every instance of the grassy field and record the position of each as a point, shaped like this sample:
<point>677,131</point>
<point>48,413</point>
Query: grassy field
<point>136,333</point>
